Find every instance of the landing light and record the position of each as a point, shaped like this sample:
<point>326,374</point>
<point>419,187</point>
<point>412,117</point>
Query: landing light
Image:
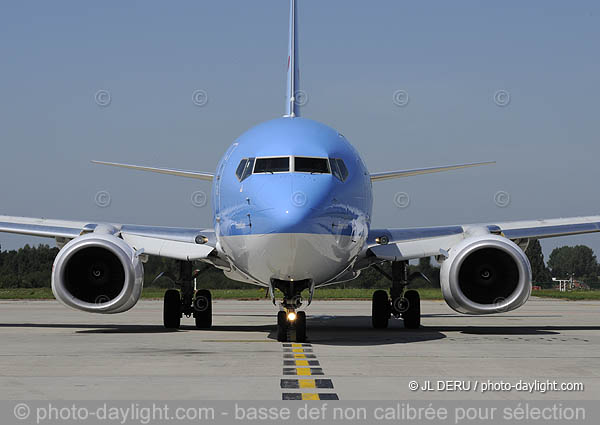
<point>291,316</point>
<point>382,240</point>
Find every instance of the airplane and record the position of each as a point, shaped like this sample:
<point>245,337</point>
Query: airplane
<point>292,203</point>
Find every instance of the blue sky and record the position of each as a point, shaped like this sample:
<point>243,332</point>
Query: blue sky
<point>449,57</point>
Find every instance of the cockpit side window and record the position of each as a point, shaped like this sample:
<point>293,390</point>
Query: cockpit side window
<point>244,169</point>
<point>247,169</point>
<point>338,168</point>
<point>311,165</point>
<point>343,169</point>
<point>240,169</point>
<point>272,165</point>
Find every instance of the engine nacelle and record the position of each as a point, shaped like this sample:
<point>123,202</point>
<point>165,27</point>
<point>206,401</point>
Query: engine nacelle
<point>486,274</point>
<point>98,273</point>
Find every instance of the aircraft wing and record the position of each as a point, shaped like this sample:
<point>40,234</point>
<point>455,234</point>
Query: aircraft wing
<point>412,243</point>
<point>170,171</point>
<point>173,242</point>
<point>385,175</point>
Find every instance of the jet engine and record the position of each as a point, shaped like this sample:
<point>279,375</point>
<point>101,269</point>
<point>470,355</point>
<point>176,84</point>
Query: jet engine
<point>486,274</point>
<point>98,273</point>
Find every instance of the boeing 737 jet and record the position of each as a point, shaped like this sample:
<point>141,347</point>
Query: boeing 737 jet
<point>292,203</point>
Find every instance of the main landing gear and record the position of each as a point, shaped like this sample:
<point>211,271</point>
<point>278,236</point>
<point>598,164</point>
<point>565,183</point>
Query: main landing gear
<point>400,303</point>
<point>291,323</point>
<point>188,301</point>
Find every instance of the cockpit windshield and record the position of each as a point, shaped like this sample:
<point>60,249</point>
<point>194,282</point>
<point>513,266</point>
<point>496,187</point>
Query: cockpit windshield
<point>311,165</point>
<point>272,165</point>
<point>285,164</point>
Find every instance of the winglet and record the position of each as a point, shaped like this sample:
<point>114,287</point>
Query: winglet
<point>291,106</point>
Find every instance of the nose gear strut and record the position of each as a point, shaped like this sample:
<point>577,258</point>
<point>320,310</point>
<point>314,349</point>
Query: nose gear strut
<point>291,323</point>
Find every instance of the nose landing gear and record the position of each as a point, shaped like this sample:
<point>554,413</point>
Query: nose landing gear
<point>291,323</point>
<point>291,326</point>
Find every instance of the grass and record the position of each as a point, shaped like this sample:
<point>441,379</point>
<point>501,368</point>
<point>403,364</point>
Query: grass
<point>572,295</point>
<point>321,294</point>
<point>240,294</point>
<point>366,294</point>
<point>26,294</point>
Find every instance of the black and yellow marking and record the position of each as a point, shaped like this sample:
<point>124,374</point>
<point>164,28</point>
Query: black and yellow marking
<point>298,350</point>
<point>309,396</point>
<point>306,383</point>
<point>299,356</point>
<point>303,371</point>
<point>301,362</point>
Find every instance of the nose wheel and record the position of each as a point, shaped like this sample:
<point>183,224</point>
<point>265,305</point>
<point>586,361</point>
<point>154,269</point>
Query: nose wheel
<point>291,323</point>
<point>291,326</point>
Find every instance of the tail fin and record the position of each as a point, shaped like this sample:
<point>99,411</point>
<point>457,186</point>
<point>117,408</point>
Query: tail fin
<point>292,109</point>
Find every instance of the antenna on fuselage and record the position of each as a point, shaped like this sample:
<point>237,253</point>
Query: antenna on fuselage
<point>292,109</point>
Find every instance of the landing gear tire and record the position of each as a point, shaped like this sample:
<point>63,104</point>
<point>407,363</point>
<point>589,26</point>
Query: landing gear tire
<point>412,314</point>
<point>203,309</point>
<point>300,326</point>
<point>380,309</point>
<point>291,331</point>
<point>172,309</point>
<point>282,327</point>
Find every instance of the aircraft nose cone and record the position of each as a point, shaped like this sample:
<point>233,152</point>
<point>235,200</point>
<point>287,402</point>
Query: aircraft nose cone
<point>289,219</point>
<point>292,229</point>
<point>298,207</point>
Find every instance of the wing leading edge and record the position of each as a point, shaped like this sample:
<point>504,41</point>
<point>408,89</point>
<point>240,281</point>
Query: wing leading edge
<point>412,243</point>
<point>385,175</point>
<point>173,242</point>
<point>170,171</point>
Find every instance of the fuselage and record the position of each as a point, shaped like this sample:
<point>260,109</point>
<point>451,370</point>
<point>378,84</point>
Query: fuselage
<point>292,200</point>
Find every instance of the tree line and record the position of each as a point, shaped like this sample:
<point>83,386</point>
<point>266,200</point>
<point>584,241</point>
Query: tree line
<point>31,267</point>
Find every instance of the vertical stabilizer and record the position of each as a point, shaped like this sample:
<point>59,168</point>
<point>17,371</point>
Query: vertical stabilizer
<point>292,108</point>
